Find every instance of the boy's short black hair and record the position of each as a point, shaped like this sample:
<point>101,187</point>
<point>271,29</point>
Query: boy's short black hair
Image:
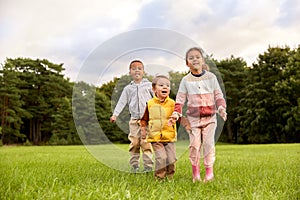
<point>134,62</point>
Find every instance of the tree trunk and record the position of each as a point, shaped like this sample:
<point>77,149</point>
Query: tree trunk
<point>38,131</point>
<point>35,131</point>
<point>30,130</point>
<point>3,117</point>
<point>230,134</point>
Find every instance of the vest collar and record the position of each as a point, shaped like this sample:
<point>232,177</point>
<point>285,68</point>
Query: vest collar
<point>157,99</point>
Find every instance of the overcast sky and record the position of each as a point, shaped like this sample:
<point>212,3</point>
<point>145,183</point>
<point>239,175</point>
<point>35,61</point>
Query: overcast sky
<point>69,32</point>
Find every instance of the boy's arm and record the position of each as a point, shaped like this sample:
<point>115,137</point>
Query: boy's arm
<point>144,122</point>
<point>120,105</point>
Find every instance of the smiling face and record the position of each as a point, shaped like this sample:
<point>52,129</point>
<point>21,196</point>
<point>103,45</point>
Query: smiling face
<point>194,61</point>
<point>137,71</point>
<point>161,88</point>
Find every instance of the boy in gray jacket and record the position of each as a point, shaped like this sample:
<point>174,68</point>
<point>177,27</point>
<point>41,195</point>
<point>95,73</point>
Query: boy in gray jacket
<point>135,95</point>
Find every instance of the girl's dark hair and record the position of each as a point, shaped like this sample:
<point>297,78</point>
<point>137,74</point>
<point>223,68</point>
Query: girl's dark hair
<point>193,49</point>
<point>205,66</point>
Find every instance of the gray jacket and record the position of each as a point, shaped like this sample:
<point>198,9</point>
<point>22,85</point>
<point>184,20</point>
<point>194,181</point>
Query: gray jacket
<point>135,96</point>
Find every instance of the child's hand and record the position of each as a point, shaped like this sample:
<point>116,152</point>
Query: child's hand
<point>113,119</point>
<point>223,114</point>
<point>143,133</point>
<point>186,124</point>
<point>172,120</point>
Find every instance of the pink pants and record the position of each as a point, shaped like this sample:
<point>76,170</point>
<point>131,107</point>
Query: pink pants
<point>202,136</point>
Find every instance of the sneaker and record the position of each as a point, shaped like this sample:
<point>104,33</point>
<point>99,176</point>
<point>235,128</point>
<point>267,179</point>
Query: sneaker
<point>134,169</point>
<point>147,169</point>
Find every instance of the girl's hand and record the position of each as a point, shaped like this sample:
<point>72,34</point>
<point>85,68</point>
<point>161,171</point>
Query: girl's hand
<point>186,124</point>
<point>223,114</point>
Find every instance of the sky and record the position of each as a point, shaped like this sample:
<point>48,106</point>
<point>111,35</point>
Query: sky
<point>96,40</point>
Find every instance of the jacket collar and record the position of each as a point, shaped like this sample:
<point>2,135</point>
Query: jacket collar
<point>144,80</point>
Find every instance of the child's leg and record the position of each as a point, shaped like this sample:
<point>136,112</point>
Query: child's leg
<point>195,147</point>
<point>209,149</point>
<point>195,144</point>
<point>209,144</point>
<point>134,150</point>
<point>160,160</point>
<point>147,154</point>
<point>171,159</point>
<point>134,147</point>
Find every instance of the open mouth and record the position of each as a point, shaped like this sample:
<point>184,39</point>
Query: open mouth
<point>164,92</point>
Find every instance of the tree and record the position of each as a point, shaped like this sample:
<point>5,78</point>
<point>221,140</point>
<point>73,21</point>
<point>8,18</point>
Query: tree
<point>11,105</point>
<point>234,73</point>
<point>41,87</point>
<point>103,112</point>
<point>175,79</point>
<point>63,127</point>
<point>287,92</point>
<point>112,90</point>
<point>261,114</point>
<point>85,109</point>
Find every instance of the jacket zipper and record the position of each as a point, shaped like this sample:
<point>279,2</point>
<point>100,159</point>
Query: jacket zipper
<point>138,100</point>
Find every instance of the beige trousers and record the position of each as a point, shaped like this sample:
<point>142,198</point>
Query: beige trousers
<point>165,158</point>
<point>137,144</point>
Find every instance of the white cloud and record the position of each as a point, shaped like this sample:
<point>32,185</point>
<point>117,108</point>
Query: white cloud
<point>227,28</point>
<point>69,31</point>
<point>62,31</point>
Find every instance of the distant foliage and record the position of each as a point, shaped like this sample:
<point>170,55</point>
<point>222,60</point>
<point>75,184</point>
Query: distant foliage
<point>269,107</point>
<point>38,106</point>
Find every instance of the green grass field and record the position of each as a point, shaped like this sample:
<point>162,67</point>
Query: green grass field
<point>71,172</point>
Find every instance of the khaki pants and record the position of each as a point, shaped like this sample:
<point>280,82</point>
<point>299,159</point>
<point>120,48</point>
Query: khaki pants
<point>136,143</point>
<point>165,158</point>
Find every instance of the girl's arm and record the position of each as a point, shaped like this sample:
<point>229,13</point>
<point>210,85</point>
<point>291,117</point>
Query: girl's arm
<point>220,101</point>
<point>180,101</point>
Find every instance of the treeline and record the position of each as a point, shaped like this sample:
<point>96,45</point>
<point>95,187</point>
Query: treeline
<point>39,106</point>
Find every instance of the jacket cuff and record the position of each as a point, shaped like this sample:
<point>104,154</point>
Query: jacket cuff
<point>177,114</point>
<point>221,108</point>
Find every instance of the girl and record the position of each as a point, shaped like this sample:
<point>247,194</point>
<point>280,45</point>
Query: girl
<point>205,98</point>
